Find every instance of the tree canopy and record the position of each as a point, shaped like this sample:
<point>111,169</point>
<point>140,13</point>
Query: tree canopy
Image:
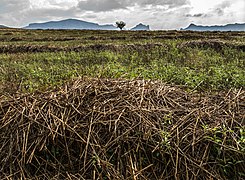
<point>120,24</point>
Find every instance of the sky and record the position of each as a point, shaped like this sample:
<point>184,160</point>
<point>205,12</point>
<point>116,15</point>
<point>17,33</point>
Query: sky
<point>159,14</point>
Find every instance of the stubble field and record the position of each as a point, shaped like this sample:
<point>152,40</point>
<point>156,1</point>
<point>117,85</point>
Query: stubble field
<point>122,104</point>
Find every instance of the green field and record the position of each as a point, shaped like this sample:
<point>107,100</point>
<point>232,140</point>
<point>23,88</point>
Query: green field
<point>78,104</point>
<point>32,60</point>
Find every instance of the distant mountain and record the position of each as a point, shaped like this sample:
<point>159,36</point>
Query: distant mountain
<point>141,27</point>
<point>228,27</point>
<point>70,24</point>
<point>3,27</point>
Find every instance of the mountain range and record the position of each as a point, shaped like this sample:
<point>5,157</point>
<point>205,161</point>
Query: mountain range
<point>70,24</point>
<point>141,27</point>
<point>228,27</point>
<point>78,24</point>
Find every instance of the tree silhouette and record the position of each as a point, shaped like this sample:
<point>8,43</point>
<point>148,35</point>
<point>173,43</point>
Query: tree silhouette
<point>120,24</point>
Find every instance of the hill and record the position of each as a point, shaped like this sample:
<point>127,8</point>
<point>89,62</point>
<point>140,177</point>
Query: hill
<point>3,27</point>
<point>141,27</point>
<point>228,27</point>
<point>70,24</point>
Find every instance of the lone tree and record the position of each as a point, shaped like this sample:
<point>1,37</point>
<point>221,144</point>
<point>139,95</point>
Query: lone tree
<point>120,24</point>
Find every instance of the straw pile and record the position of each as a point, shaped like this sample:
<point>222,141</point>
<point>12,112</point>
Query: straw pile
<point>121,129</point>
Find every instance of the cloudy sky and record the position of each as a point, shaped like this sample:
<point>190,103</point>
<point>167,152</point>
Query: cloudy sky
<point>159,14</point>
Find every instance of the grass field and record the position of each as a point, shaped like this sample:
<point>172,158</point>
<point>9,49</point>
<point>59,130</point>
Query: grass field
<point>122,104</point>
<point>32,60</point>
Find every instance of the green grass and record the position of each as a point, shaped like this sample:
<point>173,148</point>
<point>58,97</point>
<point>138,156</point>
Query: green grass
<point>195,68</point>
<point>192,68</point>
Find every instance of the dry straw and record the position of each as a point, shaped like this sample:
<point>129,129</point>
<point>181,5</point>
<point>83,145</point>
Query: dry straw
<point>121,129</point>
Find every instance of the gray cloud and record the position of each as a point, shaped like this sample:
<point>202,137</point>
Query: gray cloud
<point>52,12</point>
<point>169,3</point>
<point>218,10</point>
<point>8,6</point>
<point>13,11</point>
<point>109,5</point>
<point>101,5</point>
<point>225,4</point>
<point>195,15</point>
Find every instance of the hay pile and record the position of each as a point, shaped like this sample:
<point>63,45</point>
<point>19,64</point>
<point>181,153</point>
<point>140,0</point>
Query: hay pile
<point>120,129</point>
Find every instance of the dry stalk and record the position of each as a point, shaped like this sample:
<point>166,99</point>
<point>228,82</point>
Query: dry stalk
<point>122,129</point>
